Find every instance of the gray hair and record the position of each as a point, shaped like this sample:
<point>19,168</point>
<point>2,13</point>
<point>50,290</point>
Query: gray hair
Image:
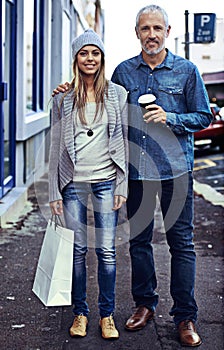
<point>152,8</point>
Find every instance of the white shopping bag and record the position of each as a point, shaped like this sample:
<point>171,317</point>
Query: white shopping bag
<point>53,279</point>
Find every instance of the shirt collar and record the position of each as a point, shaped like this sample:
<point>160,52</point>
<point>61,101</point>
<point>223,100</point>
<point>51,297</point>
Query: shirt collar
<point>168,61</point>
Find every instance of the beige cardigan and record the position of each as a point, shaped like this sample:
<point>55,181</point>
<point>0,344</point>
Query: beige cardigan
<point>62,150</point>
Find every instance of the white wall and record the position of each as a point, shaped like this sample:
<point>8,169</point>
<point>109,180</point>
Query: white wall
<point>207,57</point>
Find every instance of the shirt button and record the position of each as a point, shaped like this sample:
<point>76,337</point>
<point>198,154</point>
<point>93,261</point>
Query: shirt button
<point>143,136</point>
<point>143,153</point>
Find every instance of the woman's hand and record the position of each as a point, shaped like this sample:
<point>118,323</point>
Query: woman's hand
<point>118,202</point>
<point>56,207</point>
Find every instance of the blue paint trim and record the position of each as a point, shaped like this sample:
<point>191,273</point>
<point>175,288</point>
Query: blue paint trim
<point>1,114</point>
<point>12,106</point>
<point>41,55</point>
<point>38,57</point>
<point>35,62</point>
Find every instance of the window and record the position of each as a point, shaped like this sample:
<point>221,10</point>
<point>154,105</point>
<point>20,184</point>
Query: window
<point>33,62</point>
<point>34,54</point>
<point>7,96</point>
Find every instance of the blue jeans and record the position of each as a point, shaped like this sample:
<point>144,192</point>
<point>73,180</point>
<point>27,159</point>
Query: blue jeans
<point>75,199</point>
<point>176,201</point>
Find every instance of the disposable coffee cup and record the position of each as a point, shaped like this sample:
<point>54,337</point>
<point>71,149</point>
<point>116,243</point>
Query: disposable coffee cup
<point>147,99</point>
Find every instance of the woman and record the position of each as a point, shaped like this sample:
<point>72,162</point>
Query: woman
<point>88,156</point>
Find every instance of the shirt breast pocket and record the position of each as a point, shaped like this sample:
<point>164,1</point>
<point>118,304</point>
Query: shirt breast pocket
<point>170,97</point>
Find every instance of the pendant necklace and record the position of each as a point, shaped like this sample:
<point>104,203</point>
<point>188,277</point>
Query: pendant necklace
<point>90,132</point>
<point>90,128</point>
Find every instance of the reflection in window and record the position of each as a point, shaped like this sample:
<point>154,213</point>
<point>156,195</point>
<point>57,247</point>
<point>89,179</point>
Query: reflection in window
<point>28,31</point>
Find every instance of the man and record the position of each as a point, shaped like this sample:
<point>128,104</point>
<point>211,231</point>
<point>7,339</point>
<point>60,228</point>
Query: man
<point>161,162</point>
<point>161,159</point>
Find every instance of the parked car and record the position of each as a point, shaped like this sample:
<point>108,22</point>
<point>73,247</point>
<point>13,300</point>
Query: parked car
<point>213,135</point>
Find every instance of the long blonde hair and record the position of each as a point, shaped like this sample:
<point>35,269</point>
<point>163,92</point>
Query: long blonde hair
<point>80,90</point>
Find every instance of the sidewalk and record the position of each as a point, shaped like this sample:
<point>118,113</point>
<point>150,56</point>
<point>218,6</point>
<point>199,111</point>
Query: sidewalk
<point>25,324</point>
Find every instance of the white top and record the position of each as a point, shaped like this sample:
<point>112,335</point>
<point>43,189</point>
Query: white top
<point>92,159</point>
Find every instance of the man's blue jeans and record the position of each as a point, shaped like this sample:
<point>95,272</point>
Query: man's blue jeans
<point>75,199</point>
<point>176,201</point>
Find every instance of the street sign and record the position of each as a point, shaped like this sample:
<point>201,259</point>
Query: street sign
<point>204,27</point>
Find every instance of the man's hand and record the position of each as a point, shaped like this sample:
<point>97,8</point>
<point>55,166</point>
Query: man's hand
<point>60,88</point>
<point>118,202</point>
<point>155,114</point>
<point>56,207</point>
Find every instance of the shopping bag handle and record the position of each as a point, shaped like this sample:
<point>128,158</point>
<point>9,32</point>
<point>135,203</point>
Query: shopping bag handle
<point>57,220</point>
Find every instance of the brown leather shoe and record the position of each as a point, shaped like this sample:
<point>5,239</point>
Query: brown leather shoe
<point>139,318</point>
<point>188,334</point>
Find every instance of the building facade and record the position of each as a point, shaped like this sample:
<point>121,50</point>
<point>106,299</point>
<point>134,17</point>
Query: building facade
<point>209,58</point>
<point>35,44</point>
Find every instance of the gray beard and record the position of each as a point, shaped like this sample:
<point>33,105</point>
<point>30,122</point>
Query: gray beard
<point>153,52</point>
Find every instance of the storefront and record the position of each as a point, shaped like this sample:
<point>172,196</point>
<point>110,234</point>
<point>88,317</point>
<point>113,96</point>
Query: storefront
<point>35,56</point>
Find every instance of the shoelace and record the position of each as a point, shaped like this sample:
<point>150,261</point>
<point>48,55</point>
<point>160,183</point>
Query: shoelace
<point>78,322</point>
<point>110,323</point>
<point>187,325</point>
<point>138,312</point>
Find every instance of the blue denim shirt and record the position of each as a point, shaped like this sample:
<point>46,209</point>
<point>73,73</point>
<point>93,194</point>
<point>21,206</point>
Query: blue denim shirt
<point>163,151</point>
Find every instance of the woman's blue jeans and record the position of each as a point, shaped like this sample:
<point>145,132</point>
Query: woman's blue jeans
<point>176,201</point>
<point>75,200</point>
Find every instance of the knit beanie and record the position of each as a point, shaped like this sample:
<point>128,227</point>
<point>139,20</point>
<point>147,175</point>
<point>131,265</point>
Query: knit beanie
<point>89,37</point>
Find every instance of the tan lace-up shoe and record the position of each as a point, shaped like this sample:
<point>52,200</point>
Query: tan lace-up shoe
<point>108,328</point>
<point>78,329</point>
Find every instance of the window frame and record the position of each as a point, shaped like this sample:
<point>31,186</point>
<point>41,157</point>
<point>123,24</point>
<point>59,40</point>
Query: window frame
<point>36,120</point>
